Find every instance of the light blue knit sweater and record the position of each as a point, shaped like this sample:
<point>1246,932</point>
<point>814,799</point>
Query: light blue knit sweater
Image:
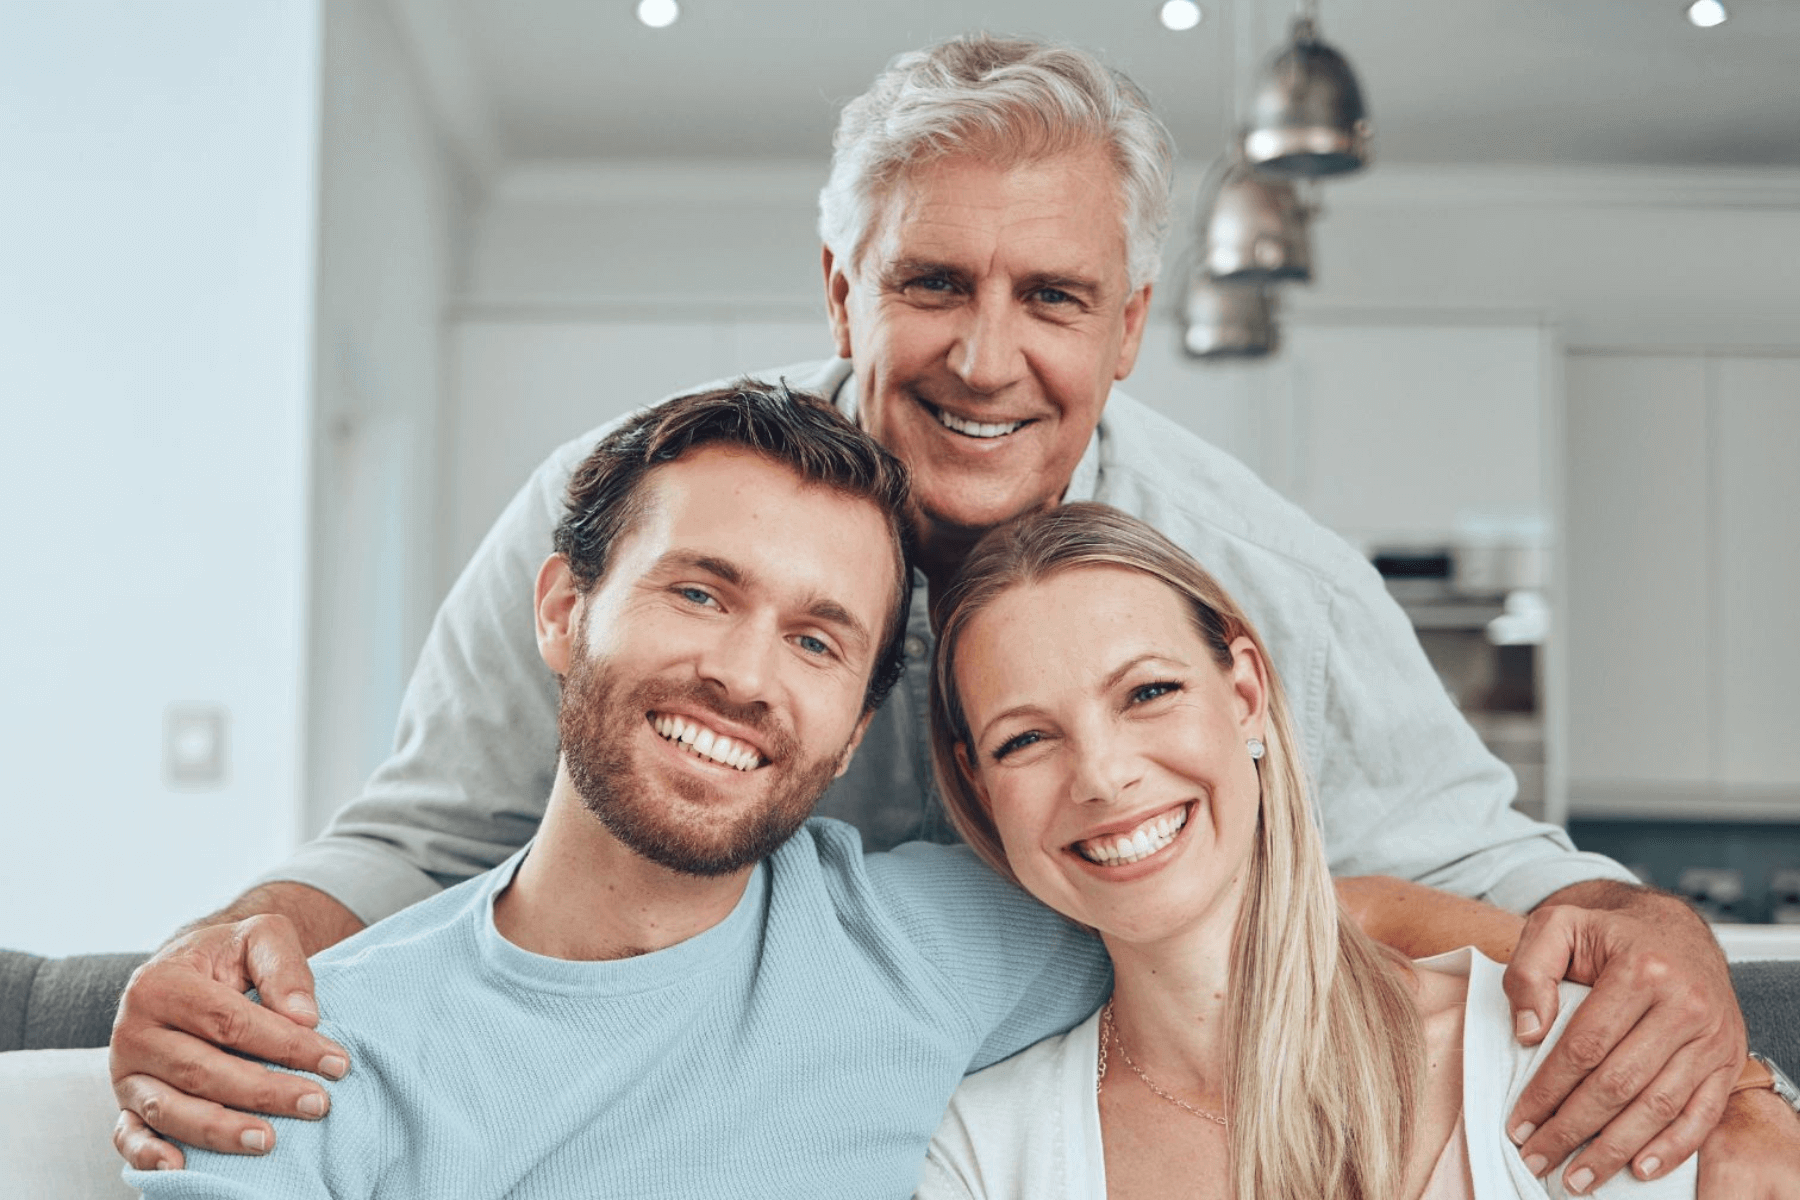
<point>805,1046</point>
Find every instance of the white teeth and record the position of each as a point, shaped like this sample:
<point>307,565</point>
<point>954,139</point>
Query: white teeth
<point>976,428</point>
<point>1137,845</point>
<point>703,742</point>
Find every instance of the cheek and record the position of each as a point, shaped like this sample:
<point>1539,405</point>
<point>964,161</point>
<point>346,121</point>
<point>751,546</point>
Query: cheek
<point>1021,811</point>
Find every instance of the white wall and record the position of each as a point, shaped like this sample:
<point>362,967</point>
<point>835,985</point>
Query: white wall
<point>156,271</point>
<point>392,226</point>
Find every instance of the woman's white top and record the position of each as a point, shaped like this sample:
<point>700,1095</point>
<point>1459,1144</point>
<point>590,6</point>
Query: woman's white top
<point>1029,1128</point>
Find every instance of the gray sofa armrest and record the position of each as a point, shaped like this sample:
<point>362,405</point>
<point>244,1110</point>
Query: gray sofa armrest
<point>60,1003</point>
<point>1769,994</point>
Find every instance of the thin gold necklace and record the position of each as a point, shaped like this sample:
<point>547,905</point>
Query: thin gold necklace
<point>1110,1035</point>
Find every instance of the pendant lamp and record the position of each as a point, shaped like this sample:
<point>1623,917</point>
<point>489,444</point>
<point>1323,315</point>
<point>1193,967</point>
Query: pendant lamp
<point>1228,320</point>
<point>1251,229</point>
<point>1307,119</point>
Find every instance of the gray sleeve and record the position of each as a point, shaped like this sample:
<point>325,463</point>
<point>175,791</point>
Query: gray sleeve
<point>475,751</point>
<point>1405,786</point>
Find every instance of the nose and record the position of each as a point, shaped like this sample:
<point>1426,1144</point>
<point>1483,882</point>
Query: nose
<point>1105,770</point>
<point>740,659</point>
<point>989,353</point>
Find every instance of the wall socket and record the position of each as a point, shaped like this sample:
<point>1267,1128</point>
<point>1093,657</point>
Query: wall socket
<point>196,746</point>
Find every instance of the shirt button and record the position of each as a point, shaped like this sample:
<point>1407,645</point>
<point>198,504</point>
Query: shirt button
<point>915,647</point>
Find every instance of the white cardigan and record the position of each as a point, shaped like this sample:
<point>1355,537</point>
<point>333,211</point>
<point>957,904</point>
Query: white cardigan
<point>1029,1128</point>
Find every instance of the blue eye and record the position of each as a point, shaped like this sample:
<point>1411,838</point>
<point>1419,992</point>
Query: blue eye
<point>1145,693</point>
<point>1018,742</point>
<point>1051,295</point>
<point>812,645</point>
<point>694,595</point>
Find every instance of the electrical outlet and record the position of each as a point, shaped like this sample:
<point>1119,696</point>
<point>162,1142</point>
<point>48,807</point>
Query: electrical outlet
<point>195,749</point>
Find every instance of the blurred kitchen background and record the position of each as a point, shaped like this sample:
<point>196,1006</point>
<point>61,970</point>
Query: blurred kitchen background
<point>294,293</point>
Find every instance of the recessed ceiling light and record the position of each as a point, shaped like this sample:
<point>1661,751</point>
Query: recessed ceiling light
<point>1707,13</point>
<point>1181,14</point>
<point>658,14</point>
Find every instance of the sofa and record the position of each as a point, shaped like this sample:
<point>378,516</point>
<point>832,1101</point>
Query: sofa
<point>56,1104</point>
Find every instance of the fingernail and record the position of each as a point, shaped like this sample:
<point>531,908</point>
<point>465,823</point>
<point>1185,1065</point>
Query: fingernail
<point>1521,1131</point>
<point>1525,1022</point>
<point>301,1003</point>
<point>312,1104</point>
<point>1537,1164</point>
<point>254,1139</point>
<point>163,1164</point>
<point>333,1066</point>
<point>1580,1180</point>
<point>1650,1166</point>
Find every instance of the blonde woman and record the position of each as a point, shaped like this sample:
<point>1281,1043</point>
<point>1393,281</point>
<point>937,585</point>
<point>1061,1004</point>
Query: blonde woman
<point>1109,733</point>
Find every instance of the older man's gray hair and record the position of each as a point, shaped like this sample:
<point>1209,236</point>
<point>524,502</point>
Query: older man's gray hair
<point>1011,101</point>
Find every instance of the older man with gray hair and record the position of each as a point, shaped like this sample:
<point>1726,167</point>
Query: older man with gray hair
<point>992,226</point>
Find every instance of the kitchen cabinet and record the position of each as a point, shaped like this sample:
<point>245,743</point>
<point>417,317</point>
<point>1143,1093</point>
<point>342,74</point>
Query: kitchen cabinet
<point>1391,434</point>
<point>1682,563</point>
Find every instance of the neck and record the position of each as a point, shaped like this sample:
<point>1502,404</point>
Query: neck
<point>939,550</point>
<point>583,895</point>
<point>1171,1009</point>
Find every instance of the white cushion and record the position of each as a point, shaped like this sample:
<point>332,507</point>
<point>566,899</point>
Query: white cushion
<point>56,1117</point>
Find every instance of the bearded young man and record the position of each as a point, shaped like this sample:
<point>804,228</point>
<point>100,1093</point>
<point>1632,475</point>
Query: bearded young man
<point>681,987</point>
<point>992,225</point>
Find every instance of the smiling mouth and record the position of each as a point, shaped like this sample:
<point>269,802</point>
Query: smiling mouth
<point>980,430</point>
<point>705,744</point>
<point>1136,845</point>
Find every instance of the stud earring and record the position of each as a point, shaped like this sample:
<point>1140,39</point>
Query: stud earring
<point>1257,749</point>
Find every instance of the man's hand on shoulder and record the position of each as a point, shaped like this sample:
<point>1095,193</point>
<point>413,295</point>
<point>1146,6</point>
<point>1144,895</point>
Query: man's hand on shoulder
<point>1643,1068</point>
<point>169,1072</point>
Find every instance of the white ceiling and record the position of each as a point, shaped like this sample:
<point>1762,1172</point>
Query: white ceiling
<point>1447,81</point>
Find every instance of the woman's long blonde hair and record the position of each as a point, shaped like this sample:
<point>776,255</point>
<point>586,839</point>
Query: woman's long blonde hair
<point>1327,1062</point>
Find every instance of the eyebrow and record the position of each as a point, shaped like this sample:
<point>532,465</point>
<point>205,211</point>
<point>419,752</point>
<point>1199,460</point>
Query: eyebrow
<point>819,608</point>
<point>1062,282</point>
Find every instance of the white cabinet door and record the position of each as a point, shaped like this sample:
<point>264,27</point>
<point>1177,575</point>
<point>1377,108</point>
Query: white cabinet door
<point>1757,557</point>
<point>1388,434</point>
<point>1639,622</point>
<point>1404,435</point>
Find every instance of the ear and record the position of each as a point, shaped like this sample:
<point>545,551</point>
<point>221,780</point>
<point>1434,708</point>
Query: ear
<point>1137,313</point>
<point>1249,679</point>
<point>837,301</point>
<point>856,737</point>
<point>558,605</point>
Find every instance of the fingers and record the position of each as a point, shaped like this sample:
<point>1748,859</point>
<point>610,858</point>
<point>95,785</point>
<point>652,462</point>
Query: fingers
<point>175,1114</point>
<point>138,1145</point>
<point>1539,962</point>
<point>186,1002</point>
<point>1598,1026</point>
<point>193,1067</point>
<point>1688,1132</point>
<point>1656,1130</point>
<point>276,965</point>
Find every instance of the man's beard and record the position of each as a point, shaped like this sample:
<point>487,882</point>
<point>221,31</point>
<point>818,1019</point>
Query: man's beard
<point>599,720</point>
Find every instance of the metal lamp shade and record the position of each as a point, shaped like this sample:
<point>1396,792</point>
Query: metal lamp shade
<point>1308,118</point>
<point>1229,320</point>
<point>1254,230</point>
